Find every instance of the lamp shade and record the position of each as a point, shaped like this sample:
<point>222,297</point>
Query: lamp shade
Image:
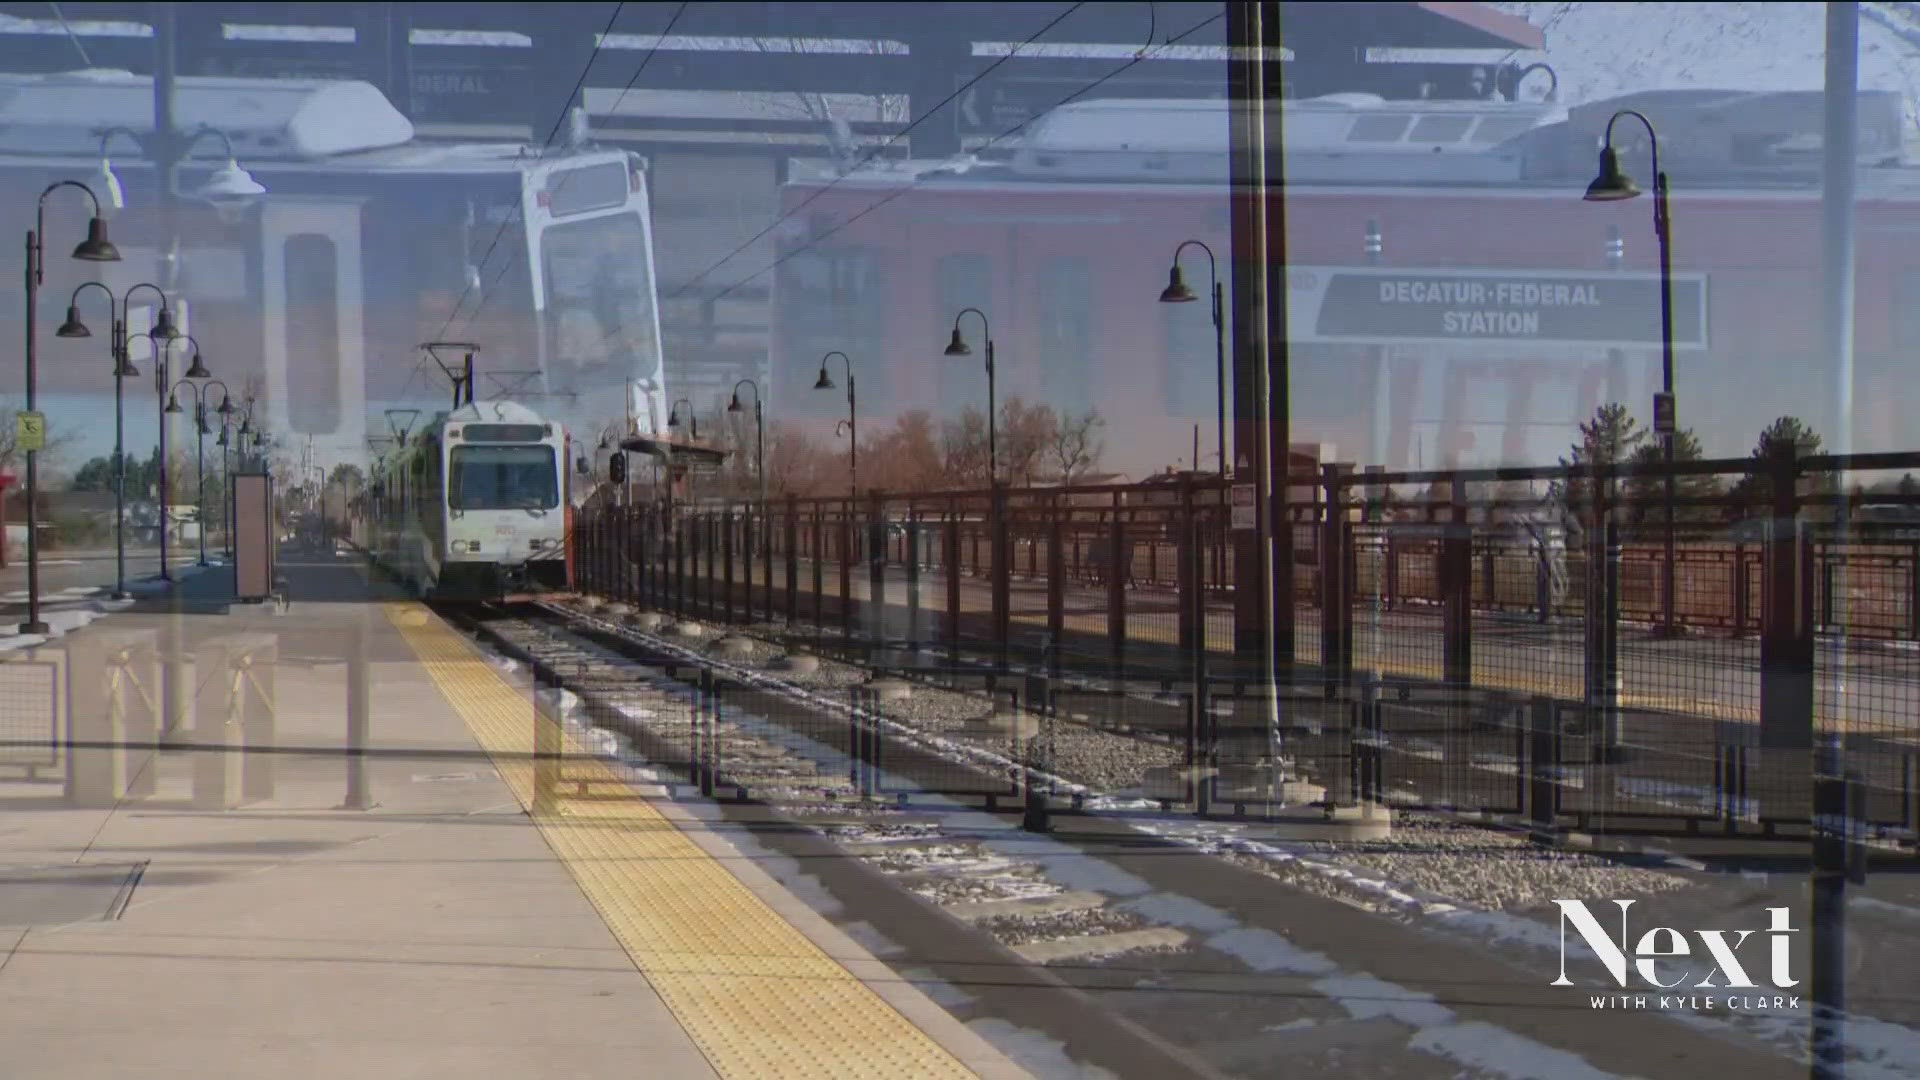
<point>958,346</point>
<point>73,327</point>
<point>96,247</point>
<point>1611,185</point>
<point>825,381</point>
<point>1176,291</point>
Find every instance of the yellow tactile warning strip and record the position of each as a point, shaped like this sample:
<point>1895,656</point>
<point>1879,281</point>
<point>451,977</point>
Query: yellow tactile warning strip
<point>757,997</point>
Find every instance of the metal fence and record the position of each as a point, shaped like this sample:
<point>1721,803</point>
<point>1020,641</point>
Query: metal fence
<point>1598,657</point>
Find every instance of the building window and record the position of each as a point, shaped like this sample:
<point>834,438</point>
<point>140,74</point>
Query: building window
<point>313,333</point>
<point>1065,294</point>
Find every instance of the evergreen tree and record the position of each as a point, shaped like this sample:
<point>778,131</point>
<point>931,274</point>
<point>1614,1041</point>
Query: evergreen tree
<point>1755,489</point>
<point>1612,437</point>
<point>1649,493</point>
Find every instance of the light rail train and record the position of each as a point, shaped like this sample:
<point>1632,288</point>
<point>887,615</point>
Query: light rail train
<point>475,505</point>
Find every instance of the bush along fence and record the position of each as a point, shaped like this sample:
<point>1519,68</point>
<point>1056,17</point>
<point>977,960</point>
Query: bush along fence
<point>1602,648</point>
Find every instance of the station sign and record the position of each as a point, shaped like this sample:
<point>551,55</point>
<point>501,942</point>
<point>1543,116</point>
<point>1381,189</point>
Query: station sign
<point>1378,306</point>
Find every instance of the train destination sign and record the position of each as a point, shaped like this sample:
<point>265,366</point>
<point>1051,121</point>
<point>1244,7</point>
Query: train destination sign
<point>1368,305</point>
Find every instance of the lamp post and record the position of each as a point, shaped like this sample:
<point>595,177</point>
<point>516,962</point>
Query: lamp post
<point>958,347</point>
<point>693,423</point>
<point>225,408</point>
<point>123,369</point>
<point>163,335</point>
<point>95,248</point>
<point>1177,292</point>
<point>1613,185</point>
<point>760,432</point>
<point>825,382</point>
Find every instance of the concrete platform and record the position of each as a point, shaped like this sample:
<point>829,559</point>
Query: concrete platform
<point>442,932</point>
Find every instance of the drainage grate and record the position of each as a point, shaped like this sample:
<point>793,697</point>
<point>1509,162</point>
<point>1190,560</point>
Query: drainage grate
<point>47,895</point>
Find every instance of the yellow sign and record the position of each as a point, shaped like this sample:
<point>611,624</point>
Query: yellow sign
<point>30,431</point>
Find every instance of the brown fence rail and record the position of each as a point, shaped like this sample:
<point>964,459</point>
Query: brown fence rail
<point>1445,627</point>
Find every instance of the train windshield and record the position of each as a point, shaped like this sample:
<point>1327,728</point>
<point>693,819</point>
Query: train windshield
<point>599,303</point>
<point>503,478</point>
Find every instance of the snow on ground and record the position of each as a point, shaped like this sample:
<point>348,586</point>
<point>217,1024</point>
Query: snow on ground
<point>1496,890</point>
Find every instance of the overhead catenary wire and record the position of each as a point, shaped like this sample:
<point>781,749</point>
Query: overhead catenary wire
<point>519,212</point>
<point>631,81</point>
<point>1009,133</point>
<point>500,233</point>
<point>881,149</point>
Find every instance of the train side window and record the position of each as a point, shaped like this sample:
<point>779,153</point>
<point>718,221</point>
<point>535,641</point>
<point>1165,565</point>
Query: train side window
<point>1065,294</point>
<point>962,281</point>
<point>312,269</point>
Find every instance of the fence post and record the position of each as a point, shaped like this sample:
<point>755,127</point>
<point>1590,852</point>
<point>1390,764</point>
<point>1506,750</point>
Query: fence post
<point>847,539</point>
<point>792,559</point>
<point>877,551</point>
<point>1184,539</point>
<point>950,558</point>
<point>1786,646</point>
<point>1056,590</point>
<point>1336,585</point>
<point>1456,582</point>
<point>727,523</point>
<point>1602,630</point>
<point>1543,759</point>
<point>1118,558</point>
<point>678,528</point>
<point>712,526</point>
<point>819,560</point>
<point>359,713</point>
<point>1001,538</point>
<point>1839,857</point>
<point>913,579</point>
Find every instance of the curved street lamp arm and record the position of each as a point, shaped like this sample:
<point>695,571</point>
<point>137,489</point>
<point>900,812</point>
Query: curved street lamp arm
<point>197,134</point>
<point>113,309</point>
<point>1213,267</point>
<point>748,382</point>
<point>986,328</point>
<point>1653,148</point>
<point>126,300</point>
<point>40,221</point>
<point>847,363</point>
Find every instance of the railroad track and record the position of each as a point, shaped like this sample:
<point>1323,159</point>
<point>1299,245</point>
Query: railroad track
<point>1086,938</point>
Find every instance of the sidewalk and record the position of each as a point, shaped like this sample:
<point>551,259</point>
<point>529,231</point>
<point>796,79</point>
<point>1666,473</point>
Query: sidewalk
<point>436,935</point>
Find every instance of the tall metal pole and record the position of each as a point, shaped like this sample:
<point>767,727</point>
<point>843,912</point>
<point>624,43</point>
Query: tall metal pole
<point>760,447</point>
<point>993,407</point>
<point>119,350</point>
<point>200,473</point>
<point>161,381</point>
<point>33,625</point>
<point>1827,980</point>
<point>853,435</point>
<point>1664,222</point>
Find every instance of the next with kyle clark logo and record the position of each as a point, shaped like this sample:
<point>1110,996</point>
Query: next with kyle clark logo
<point>1744,970</point>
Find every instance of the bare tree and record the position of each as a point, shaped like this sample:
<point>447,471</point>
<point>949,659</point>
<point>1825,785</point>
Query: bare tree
<point>963,449</point>
<point>1077,445</point>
